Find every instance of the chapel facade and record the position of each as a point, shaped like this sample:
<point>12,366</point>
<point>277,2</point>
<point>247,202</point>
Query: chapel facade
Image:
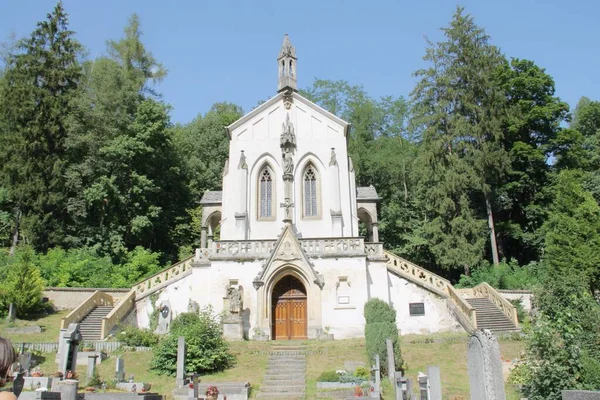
<point>281,256</point>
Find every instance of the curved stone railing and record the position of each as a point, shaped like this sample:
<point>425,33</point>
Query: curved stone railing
<point>126,304</point>
<point>485,290</point>
<point>465,308</point>
<point>418,274</point>
<point>436,284</point>
<point>97,298</point>
<point>161,279</point>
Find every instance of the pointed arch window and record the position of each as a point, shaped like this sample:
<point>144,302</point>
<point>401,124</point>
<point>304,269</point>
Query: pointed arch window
<point>310,198</point>
<point>265,193</point>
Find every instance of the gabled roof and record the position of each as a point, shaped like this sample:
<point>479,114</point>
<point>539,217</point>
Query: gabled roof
<point>296,97</point>
<point>212,197</point>
<point>367,193</point>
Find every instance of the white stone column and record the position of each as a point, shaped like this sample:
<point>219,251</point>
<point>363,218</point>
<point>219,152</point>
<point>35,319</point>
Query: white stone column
<point>203,237</point>
<point>334,192</point>
<point>375,232</point>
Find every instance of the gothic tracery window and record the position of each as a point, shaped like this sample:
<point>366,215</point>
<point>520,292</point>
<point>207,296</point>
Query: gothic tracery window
<point>265,194</point>
<point>310,192</point>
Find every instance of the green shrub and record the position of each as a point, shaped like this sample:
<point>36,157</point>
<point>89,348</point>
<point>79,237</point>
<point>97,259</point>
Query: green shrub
<point>351,379</point>
<point>206,349</point>
<point>362,372</point>
<point>506,275</point>
<point>520,374</point>
<point>377,310</point>
<point>375,336</point>
<point>132,336</point>
<point>521,313</point>
<point>329,376</point>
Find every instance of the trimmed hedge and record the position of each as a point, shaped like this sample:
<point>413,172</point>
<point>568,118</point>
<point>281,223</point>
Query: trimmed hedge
<point>381,325</point>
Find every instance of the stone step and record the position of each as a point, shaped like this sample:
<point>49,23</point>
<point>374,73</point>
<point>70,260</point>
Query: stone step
<point>286,362</point>
<point>282,396</point>
<point>282,388</point>
<point>287,356</point>
<point>284,382</point>
<point>285,375</point>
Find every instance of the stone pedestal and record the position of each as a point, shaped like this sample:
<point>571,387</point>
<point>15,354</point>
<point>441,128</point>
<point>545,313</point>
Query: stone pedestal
<point>233,327</point>
<point>485,367</point>
<point>68,389</point>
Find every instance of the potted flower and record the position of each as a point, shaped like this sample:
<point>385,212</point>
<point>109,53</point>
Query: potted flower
<point>358,392</point>
<point>212,393</point>
<point>37,373</point>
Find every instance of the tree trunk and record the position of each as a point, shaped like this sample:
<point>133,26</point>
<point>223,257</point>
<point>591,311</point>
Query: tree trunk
<point>15,239</point>
<point>488,207</point>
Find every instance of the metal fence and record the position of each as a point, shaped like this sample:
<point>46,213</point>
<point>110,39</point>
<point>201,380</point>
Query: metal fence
<point>52,347</point>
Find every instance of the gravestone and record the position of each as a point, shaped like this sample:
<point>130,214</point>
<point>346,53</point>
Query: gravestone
<point>164,318</point>
<point>580,395</point>
<point>376,371</point>
<point>91,367</point>
<point>390,360</point>
<point>70,339</point>
<point>423,386</point>
<point>485,366</point>
<point>24,360</point>
<point>12,312</point>
<point>435,382</point>
<point>68,389</point>
<point>180,379</point>
<point>120,370</point>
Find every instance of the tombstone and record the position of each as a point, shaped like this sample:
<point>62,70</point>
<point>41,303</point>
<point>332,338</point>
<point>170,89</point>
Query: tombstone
<point>68,389</point>
<point>164,318</point>
<point>120,370</point>
<point>435,382</point>
<point>193,307</point>
<point>24,360</point>
<point>404,388</point>
<point>91,367</point>
<point>485,366</point>
<point>376,370</point>
<point>180,379</point>
<point>12,312</point>
<point>70,339</point>
<point>423,386</point>
<point>580,395</point>
<point>390,360</point>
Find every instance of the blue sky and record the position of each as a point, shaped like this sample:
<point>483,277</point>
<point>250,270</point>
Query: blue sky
<point>226,50</point>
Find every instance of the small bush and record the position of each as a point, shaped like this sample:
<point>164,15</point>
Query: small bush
<point>206,349</point>
<point>351,379</point>
<point>375,336</point>
<point>132,336</point>
<point>377,310</point>
<point>329,376</point>
<point>362,372</point>
<point>520,374</point>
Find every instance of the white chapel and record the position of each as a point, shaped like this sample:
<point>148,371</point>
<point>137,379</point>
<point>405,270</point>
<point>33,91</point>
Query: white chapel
<point>281,256</point>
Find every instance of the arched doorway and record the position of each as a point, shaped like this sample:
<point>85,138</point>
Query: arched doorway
<point>288,304</point>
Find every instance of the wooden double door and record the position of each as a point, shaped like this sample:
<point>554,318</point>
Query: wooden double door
<point>289,309</point>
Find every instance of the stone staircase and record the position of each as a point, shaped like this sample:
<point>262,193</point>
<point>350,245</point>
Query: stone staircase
<point>91,326</point>
<point>490,317</point>
<point>285,376</point>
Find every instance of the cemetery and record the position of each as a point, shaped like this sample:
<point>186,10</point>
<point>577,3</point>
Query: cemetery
<point>325,244</point>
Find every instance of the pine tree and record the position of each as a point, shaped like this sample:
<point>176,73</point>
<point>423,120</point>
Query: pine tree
<point>35,96</point>
<point>458,108</point>
<point>24,285</point>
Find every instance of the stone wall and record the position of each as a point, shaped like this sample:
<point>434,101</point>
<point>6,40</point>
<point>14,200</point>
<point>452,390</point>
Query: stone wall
<point>70,298</point>
<point>524,295</point>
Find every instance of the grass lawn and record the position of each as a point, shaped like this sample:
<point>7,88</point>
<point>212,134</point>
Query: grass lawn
<point>448,351</point>
<point>50,325</point>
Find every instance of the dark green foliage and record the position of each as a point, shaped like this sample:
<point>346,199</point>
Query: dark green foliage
<point>133,336</point>
<point>328,376</point>
<point>377,310</point>
<point>506,275</point>
<point>206,349</point>
<point>36,93</point>
<point>22,283</point>
<point>381,325</point>
<point>362,372</point>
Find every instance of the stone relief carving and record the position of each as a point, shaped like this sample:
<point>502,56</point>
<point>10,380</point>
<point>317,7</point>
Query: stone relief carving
<point>286,252</point>
<point>288,162</point>
<point>235,300</point>
<point>288,99</point>
<point>288,137</point>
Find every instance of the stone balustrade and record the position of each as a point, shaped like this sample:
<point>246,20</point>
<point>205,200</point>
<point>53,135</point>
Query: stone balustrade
<point>333,247</point>
<point>241,249</point>
<point>375,251</point>
<point>97,298</point>
<point>507,308</point>
<point>466,309</point>
<point>163,278</point>
<point>125,305</point>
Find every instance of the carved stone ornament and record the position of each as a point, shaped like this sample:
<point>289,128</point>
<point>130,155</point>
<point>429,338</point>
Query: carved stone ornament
<point>257,283</point>
<point>288,162</point>
<point>288,137</point>
<point>333,159</point>
<point>288,99</point>
<point>287,253</point>
<point>242,164</point>
<point>320,281</point>
<point>235,300</point>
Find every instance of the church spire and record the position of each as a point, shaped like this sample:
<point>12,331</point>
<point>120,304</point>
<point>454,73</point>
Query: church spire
<point>287,66</point>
